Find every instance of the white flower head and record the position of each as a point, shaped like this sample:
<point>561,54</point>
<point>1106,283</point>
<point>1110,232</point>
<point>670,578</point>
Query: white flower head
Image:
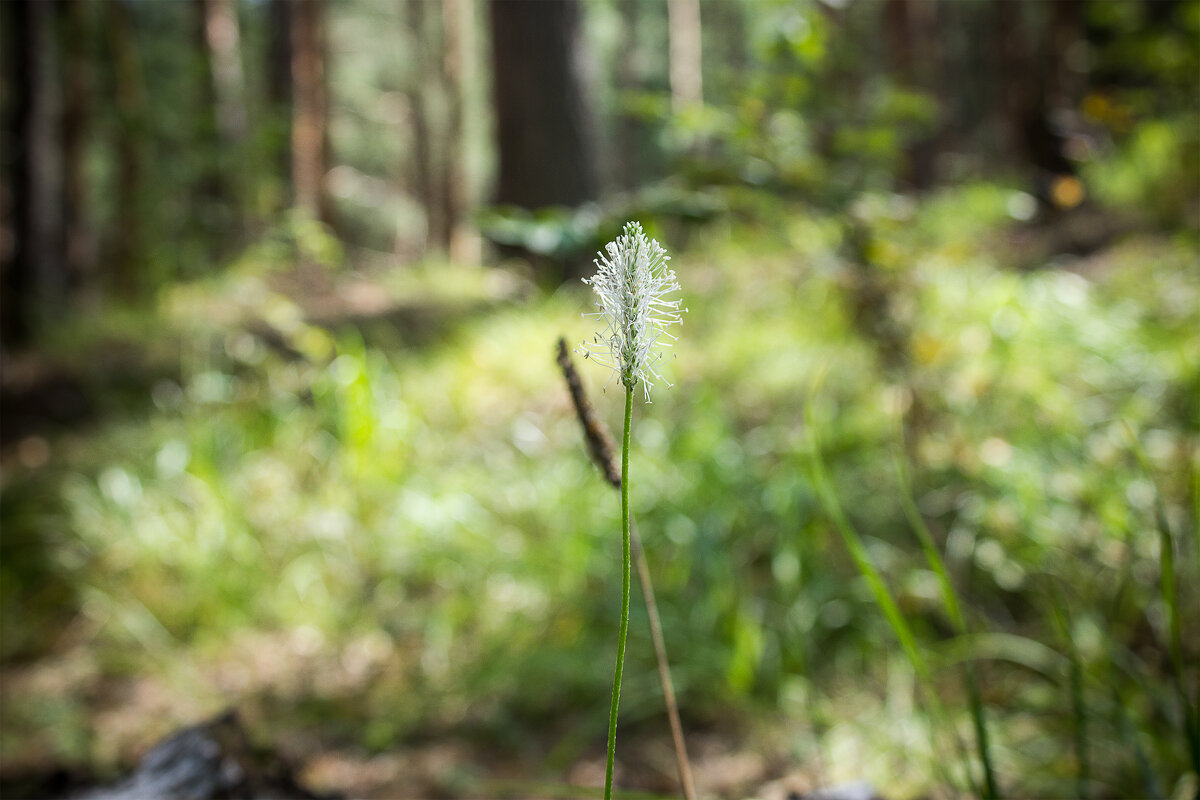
<point>633,285</point>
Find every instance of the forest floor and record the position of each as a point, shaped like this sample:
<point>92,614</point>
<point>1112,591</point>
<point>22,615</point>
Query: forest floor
<point>53,402</point>
<point>130,714</point>
<point>113,644</point>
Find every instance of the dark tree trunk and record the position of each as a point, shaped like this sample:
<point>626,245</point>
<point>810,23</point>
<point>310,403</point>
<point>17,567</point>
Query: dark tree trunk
<point>897,28</point>
<point>1045,143</point>
<point>15,323</point>
<point>43,148</point>
<point>279,85</point>
<point>1026,70</point>
<point>35,276</point>
<point>126,245</point>
<point>211,192</point>
<point>225,111</point>
<point>79,239</point>
<point>310,108</point>
<point>542,124</point>
<point>1010,69</point>
<point>914,61</point>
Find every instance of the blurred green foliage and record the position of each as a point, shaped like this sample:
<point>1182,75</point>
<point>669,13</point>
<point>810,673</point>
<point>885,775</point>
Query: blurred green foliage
<point>415,507</point>
<point>360,498</point>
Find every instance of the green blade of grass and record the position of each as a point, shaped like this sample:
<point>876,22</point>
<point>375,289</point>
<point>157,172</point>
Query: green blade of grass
<point>862,560</point>
<point>929,547</point>
<point>1022,651</point>
<point>1196,511</point>
<point>1129,736</point>
<point>1079,728</point>
<point>954,609</point>
<point>879,590</point>
<point>1170,598</point>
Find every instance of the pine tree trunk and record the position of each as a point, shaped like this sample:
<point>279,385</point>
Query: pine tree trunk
<point>126,245</point>
<point>212,193</point>
<point>428,161</point>
<point>628,126</point>
<point>279,87</point>
<point>456,20</point>
<point>687,86</point>
<point>222,39</point>
<point>34,275</point>
<point>224,111</point>
<point>1026,101</point>
<point>913,60</point>
<point>543,133</point>
<point>79,239</point>
<point>309,108</point>
<point>16,220</point>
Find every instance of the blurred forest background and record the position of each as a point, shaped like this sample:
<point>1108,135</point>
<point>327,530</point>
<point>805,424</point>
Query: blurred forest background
<point>283,431</point>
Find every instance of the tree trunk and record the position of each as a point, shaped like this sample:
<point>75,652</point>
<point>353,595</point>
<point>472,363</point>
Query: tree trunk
<point>1026,102</point>
<point>211,193</point>
<point>35,278</point>
<point>897,30</point>
<point>428,160</point>
<point>1046,145</point>
<point>914,60</point>
<point>628,127</point>
<point>126,246</point>
<point>79,240</point>
<point>16,218</point>
<point>224,111</point>
<point>683,18</point>
<point>222,41</point>
<point>279,87</point>
<point>457,42</point>
<point>43,148</point>
<point>546,149</point>
<point>309,108</point>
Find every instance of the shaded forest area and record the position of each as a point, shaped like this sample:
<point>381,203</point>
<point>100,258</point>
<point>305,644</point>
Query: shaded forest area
<point>281,427</point>
<point>152,142</point>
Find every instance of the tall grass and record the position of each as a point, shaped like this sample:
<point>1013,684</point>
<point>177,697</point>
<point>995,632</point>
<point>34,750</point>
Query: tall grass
<point>958,620</point>
<point>1170,598</point>
<point>356,491</point>
<point>1079,713</point>
<point>879,590</point>
<point>1129,737</point>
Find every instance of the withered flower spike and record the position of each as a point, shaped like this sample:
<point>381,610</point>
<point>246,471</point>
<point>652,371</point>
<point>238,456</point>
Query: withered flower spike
<point>599,443</point>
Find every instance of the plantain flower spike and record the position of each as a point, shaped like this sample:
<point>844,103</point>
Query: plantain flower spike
<point>634,288</point>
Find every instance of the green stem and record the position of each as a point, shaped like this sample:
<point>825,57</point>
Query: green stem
<point>616,692</point>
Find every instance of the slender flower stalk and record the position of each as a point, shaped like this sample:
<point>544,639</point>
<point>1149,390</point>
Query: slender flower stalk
<point>634,286</point>
<point>624,629</point>
<point>600,448</point>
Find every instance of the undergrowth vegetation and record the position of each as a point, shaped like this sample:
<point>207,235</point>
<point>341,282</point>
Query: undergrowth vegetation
<point>401,512</point>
